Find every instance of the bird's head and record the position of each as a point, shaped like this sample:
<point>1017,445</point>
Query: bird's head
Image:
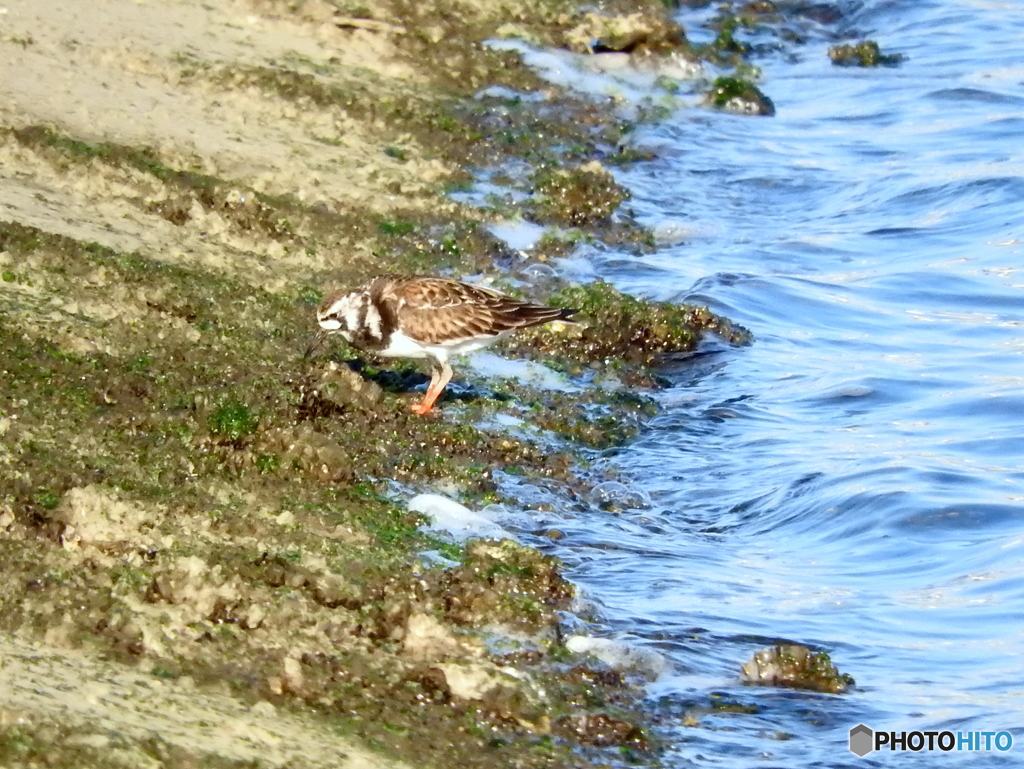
<point>342,313</point>
<point>339,313</point>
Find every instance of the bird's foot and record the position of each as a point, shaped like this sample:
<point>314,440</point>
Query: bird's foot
<point>421,408</point>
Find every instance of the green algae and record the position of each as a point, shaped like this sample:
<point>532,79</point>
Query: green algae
<point>624,330</point>
<point>576,197</point>
<point>745,31</point>
<point>725,47</point>
<point>735,94</point>
<point>233,421</point>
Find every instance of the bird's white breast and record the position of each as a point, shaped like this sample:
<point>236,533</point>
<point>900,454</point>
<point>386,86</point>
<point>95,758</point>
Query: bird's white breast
<point>402,346</point>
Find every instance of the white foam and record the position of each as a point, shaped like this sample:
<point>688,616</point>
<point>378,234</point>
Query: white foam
<point>518,234</point>
<point>615,75</point>
<point>619,655</point>
<point>503,92</point>
<point>527,372</point>
<point>510,519</point>
<point>458,520</point>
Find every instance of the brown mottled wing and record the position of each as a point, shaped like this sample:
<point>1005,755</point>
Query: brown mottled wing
<point>435,311</point>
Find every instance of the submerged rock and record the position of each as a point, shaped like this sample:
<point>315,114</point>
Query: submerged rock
<point>613,496</point>
<point>795,666</point>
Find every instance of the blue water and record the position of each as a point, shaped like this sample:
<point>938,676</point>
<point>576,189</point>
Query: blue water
<point>853,480</point>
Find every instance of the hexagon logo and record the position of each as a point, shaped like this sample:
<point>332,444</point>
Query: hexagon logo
<point>862,740</point>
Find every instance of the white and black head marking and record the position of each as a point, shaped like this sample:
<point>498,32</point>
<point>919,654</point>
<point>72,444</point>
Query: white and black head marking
<point>354,316</point>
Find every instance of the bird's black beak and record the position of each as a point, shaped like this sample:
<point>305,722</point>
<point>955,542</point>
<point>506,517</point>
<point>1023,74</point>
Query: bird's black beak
<point>315,343</point>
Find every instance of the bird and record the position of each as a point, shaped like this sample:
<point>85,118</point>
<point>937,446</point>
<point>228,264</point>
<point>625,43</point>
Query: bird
<point>421,316</point>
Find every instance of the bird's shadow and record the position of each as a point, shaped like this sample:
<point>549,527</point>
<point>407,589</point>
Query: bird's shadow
<point>398,380</point>
<point>406,378</point>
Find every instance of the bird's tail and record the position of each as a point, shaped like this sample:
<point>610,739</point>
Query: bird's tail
<point>536,315</point>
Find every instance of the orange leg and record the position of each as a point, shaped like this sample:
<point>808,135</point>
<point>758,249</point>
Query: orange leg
<point>438,381</point>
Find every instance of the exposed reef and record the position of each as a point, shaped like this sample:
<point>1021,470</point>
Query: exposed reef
<point>796,667</point>
<point>866,53</point>
<point>741,96</point>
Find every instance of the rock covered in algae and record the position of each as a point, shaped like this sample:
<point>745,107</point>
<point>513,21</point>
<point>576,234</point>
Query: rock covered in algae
<point>794,666</point>
<point>866,53</point>
<point>614,326</point>
<point>577,197</point>
<point>733,94</point>
<point>602,730</point>
<point>344,388</point>
<point>505,583</point>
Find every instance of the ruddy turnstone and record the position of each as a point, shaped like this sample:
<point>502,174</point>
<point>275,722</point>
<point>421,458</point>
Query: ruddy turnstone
<point>424,317</point>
